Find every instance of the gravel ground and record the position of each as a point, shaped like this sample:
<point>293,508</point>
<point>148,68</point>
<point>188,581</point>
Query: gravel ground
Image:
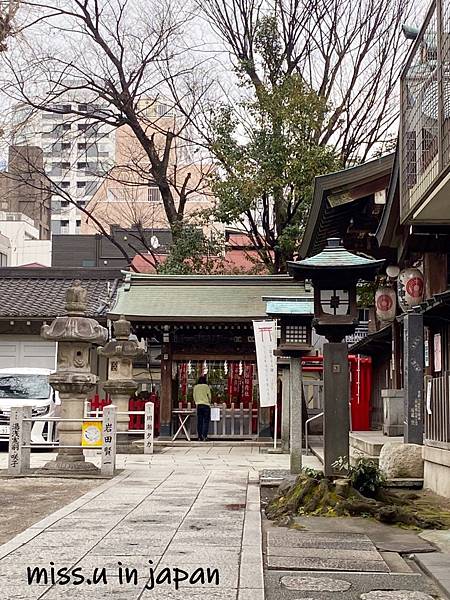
<point>24,501</point>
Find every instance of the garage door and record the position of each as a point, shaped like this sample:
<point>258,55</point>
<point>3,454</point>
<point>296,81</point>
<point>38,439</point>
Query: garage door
<point>27,352</point>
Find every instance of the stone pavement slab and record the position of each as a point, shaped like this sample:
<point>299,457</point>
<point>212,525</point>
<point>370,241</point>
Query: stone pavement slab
<point>307,551</point>
<point>325,564</point>
<point>360,583</point>
<point>385,537</point>
<point>177,509</point>
<point>437,566</point>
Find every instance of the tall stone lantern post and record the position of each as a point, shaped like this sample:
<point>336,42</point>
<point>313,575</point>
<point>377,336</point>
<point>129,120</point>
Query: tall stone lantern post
<point>335,273</point>
<point>75,334</point>
<point>121,351</point>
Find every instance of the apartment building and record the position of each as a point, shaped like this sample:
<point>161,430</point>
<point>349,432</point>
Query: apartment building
<point>77,151</point>
<point>24,188</point>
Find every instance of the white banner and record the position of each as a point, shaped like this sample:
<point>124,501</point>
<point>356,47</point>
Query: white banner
<point>266,342</point>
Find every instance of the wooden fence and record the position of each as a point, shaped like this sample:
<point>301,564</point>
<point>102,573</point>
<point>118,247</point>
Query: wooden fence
<point>437,409</point>
<point>236,421</point>
<point>313,390</point>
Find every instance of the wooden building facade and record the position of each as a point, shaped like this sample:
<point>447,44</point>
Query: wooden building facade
<point>196,325</point>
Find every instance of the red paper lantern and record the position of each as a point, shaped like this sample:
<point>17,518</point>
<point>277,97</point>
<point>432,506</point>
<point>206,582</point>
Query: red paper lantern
<point>385,303</point>
<point>410,287</point>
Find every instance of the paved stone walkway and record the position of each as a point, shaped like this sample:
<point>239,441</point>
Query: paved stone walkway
<point>184,508</point>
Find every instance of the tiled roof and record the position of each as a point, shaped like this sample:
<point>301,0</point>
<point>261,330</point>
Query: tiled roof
<point>40,293</point>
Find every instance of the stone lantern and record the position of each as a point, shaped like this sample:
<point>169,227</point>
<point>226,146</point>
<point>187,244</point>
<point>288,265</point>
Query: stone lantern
<point>121,351</point>
<point>75,335</point>
<point>294,316</point>
<point>334,273</point>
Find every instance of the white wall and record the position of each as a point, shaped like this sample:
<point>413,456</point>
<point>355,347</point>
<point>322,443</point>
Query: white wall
<point>25,245</point>
<point>5,248</point>
<point>39,251</point>
<point>26,351</point>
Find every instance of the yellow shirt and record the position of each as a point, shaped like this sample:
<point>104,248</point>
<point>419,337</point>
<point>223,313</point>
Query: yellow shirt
<point>202,394</point>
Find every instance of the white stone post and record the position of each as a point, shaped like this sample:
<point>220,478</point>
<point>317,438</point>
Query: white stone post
<point>109,435</point>
<point>149,427</point>
<point>19,436</point>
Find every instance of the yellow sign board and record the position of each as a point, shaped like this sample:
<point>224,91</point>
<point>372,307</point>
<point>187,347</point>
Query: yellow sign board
<point>91,434</point>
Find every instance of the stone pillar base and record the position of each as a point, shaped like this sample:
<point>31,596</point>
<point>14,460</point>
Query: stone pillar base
<point>62,466</point>
<point>68,461</point>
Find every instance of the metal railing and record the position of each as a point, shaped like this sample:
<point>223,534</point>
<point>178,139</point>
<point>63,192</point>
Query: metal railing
<point>437,408</point>
<point>21,444</point>
<point>308,421</point>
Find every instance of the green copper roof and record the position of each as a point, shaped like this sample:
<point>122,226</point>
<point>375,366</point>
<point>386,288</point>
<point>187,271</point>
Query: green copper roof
<point>334,256</point>
<point>207,298</point>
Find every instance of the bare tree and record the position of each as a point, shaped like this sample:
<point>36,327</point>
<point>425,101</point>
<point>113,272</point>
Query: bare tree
<point>349,52</point>
<point>8,28</point>
<point>112,53</point>
<point>314,90</point>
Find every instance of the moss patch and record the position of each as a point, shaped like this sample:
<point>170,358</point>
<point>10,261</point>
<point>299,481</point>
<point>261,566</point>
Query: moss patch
<point>315,495</point>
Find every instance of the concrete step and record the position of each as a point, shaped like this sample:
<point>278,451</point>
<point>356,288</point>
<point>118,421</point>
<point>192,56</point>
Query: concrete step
<point>371,442</point>
<point>356,455</point>
<point>364,445</point>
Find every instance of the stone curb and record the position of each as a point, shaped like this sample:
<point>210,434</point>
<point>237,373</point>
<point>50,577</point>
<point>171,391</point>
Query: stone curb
<point>251,574</point>
<point>35,529</point>
<point>437,566</point>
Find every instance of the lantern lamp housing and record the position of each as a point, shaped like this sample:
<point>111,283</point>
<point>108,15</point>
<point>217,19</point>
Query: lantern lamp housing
<point>335,273</point>
<point>294,316</point>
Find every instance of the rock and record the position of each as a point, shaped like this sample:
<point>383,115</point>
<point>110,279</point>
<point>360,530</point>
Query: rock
<point>286,484</point>
<point>342,487</point>
<point>401,461</point>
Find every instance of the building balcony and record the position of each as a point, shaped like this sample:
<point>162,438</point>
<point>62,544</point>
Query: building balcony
<point>425,123</point>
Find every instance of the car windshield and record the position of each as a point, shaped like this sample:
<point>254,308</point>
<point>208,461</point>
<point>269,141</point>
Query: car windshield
<point>24,387</point>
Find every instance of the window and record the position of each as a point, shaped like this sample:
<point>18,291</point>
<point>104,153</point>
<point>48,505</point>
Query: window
<point>82,126</point>
<point>82,146</point>
<point>64,203</point>
<point>65,165</point>
<point>66,107</point>
<point>64,185</point>
<point>296,334</point>
<point>81,203</point>
<point>66,126</point>
<point>65,146</point>
<point>3,260</point>
<point>78,222</point>
<point>64,223</point>
<point>82,165</point>
<point>82,107</point>
<point>81,184</point>
<point>24,387</point>
<point>154,195</point>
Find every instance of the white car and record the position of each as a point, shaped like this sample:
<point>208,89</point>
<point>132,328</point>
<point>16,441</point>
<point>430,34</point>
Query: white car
<point>28,387</point>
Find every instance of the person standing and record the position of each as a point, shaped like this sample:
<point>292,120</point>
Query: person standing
<point>202,399</point>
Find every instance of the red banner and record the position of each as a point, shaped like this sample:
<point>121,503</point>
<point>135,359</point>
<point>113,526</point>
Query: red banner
<point>247,392</point>
<point>183,380</point>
